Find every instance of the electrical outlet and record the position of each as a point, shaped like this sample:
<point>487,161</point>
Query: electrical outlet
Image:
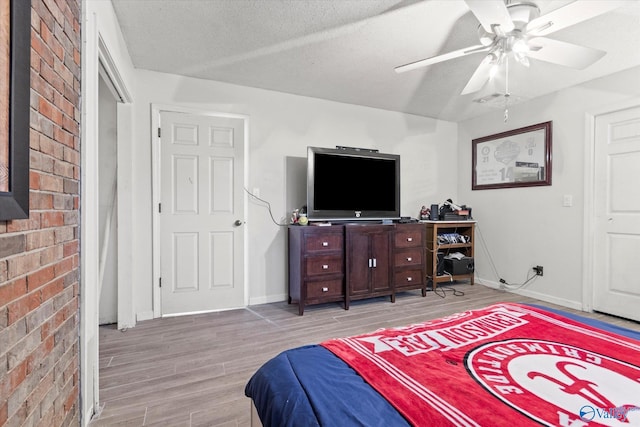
<point>539,270</point>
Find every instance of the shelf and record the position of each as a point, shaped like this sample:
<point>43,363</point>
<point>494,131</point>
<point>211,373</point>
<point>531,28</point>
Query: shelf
<point>454,245</point>
<point>436,228</point>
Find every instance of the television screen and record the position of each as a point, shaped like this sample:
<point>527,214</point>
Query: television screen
<point>348,184</point>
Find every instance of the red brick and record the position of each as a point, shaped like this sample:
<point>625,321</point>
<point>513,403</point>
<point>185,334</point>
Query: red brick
<point>19,308</point>
<point>50,76</point>
<point>45,329</point>
<point>40,239</point>
<point>50,146</point>
<point>51,219</point>
<point>71,399</point>
<point>34,399</point>
<point>40,85</point>
<point>34,180</point>
<point>3,274</point>
<point>33,223</point>
<point>50,111</point>
<point>71,156</point>
<point>70,248</point>
<point>16,376</point>
<point>41,49</point>
<point>64,266</point>
<point>41,398</point>
<point>63,169</point>
<point>51,254</point>
<point>40,201</point>
<point>70,125</point>
<point>62,71</point>
<point>3,413</point>
<point>51,183</point>
<point>40,277</point>
<point>22,264</point>
<point>64,105</point>
<point>52,289</point>
<point>57,14</point>
<point>12,291</point>
<point>35,61</point>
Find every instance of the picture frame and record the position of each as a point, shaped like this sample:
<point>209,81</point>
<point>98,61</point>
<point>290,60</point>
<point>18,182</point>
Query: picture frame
<point>515,158</point>
<point>15,65</point>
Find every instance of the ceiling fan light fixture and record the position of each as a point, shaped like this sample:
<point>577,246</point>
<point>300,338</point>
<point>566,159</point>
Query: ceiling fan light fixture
<point>520,47</point>
<point>486,38</point>
<point>521,58</point>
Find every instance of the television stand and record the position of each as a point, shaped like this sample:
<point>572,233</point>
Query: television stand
<point>346,262</point>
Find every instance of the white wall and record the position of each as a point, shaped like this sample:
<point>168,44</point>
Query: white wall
<point>529,226</point>
<point>281,128</point>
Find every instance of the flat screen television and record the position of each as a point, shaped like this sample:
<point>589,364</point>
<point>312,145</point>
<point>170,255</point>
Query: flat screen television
<point>345,184</point>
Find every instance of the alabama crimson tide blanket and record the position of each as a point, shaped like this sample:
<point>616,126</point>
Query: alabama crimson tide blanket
<point>507,364</point>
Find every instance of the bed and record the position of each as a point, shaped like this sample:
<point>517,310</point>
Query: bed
<point>506,364</point>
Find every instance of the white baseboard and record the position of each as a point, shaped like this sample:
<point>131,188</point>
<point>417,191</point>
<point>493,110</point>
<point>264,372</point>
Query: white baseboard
<point>575,305</point>
<point>267,299</point>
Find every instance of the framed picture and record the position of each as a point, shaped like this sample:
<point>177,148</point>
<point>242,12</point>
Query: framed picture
<point>15,52</point>
<point>516,158</point>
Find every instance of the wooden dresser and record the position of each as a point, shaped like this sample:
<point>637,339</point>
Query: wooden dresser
<point>316,265</point>
<point>341,263</point>
<point>409,263</point>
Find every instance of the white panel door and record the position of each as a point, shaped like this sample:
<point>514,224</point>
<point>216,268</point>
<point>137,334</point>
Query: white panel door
<point>617,213</point>
<point>202,207</point>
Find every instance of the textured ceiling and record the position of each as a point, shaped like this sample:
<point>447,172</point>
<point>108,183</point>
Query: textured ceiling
<point>345,50</point>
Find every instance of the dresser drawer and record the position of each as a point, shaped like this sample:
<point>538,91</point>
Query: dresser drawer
<point>414,278</point>
<point>409,238</point>
<point>409,257</point>
<point>324,242</point>
<point>324,288</point>
<point>318,265</point>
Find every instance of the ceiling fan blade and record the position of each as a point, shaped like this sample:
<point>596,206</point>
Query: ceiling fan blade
<point>479,77</point>
<point>562,53</point>
<point>569,15</point>
<point>441,58</point>
<point>490,13</point>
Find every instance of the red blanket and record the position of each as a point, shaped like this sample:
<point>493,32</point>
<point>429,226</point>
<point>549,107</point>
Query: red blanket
<point>507,364</point>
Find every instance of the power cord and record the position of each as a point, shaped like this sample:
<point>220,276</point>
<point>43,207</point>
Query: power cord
<point>519,285</point>
<point>268,208</point>
<point>440,291</point>
<point>513,286</point>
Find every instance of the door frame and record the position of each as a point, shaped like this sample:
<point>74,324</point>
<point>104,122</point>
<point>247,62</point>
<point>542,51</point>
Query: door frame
<point>96,61</point>
<point>156,110</point>
<point>588,260</point>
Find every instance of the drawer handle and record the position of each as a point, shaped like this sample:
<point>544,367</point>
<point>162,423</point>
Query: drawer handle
<point>325,289</point>
<point>409,239</point>
<point>409,279</point>
<point>409,259</point>
<point>325,266</point>
<point>325,244</point>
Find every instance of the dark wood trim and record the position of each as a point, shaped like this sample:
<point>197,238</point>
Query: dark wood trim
<point>546,180</point>
<point>14,204</point>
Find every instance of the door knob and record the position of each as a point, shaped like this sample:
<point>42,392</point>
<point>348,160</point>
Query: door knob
<point>238,223</point>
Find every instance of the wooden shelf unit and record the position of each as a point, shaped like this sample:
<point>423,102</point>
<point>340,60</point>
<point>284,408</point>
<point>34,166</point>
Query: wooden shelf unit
<point>435,228</point>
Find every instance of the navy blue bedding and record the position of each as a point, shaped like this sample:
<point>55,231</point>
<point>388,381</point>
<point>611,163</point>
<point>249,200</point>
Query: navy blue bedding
<point>310,386</point>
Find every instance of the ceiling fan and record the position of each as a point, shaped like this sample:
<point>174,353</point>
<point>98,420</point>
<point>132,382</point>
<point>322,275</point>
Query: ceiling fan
<point>516,29</point>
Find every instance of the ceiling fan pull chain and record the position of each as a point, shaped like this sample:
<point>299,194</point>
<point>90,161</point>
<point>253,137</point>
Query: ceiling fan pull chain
<point>506,89</point>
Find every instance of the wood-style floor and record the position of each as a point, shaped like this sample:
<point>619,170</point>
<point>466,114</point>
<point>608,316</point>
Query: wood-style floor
<point>191,370</point>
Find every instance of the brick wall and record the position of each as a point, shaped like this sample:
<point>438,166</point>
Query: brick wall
<point>39,256</point>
